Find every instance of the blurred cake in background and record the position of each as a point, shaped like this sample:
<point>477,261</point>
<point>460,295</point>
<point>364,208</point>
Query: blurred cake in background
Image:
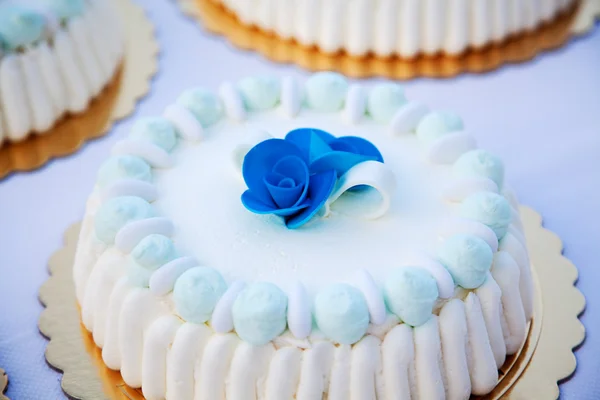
<point>405,28</point>
<point>55,57</point>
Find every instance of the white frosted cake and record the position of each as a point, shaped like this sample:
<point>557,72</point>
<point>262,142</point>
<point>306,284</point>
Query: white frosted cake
<point>396,27</point>
<point>55,57</point>
<point>306,240</point>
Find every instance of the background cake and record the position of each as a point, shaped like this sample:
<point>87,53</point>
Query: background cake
<point>55,57</point>
<point>396,27</point>
<point>284,240</point>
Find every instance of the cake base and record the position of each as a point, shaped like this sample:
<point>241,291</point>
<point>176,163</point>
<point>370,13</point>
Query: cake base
<point>216,19</point>
<point>3,384</point>
<point>116,101</point>
<point>545,358</point>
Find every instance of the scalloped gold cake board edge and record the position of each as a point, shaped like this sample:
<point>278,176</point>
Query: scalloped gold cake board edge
<point>3,384</point>
<point>117,100</point>
<point>216,19</point>
<point>546,357</point>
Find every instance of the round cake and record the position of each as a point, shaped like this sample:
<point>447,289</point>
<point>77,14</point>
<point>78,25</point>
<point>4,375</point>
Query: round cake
<point>310,240</point>
<point>55,57</point>
<point>405,28</point>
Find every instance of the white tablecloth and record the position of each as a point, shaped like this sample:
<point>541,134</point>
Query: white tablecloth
<point>542,118</point>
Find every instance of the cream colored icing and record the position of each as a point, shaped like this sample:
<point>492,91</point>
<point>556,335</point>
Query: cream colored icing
<point>61,74</point>
<point>403,27</point>
<point>457,352</point>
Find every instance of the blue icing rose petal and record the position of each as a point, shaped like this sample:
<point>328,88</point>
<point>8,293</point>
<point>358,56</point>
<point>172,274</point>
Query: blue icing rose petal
<point>384,101</point>
<point>338,161</point>
<point>468,258</point>
<point>65,9</point>
<point>313,143</point>
<point>260,93</point>
<point>205,105</point>
<point>480,163</point>
<point>124,167</point>
<point>341,313</point>
<point>154,251</point>
<point>489,208</point>
<point>411,293</point>
<point>197,292</point>
<point>259,313</point>
<point>326,91</point>
<point>287,184</point>
<point>19,26</point>
<point>138,275</point>
<point>358,145</point>
<point>157,130</point>
<point>438,123</point>
<point>320,187</point>
<point>116,213</point>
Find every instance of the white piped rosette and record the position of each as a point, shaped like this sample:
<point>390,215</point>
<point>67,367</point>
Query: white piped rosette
<point>438,325</point>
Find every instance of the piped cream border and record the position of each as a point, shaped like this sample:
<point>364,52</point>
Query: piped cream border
<point>546,358</point>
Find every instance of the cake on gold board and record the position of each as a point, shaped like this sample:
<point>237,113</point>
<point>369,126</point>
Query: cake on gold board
<point>286,239</point>
<point>127,84</point>
<point>570,19</point>
<point>55,57</point>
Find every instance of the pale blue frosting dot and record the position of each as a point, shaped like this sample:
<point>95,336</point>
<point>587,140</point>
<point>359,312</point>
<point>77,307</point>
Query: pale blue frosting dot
<point>153,251</point>
<point>157,130</point>
<point>138,275</point>
<point>197,292</point>
<point>468,258</point>
<point>260,93</point>
<point>19,26</point>
<point>436,124</point>
<point>259,313</point>
<point>326,91</point>
<point>341,313</point>
<point>489,208</point>
<point>411,293</point>
<point>116,213</point>
<point>65,9</point>
<point>204,104</point>
<point>385,100</point>
<point>480,163</point>
<point>124,167</point>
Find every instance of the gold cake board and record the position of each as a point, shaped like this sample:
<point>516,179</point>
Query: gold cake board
<point>215,18</point>
<point>533,373</point>
<point>117,100</point>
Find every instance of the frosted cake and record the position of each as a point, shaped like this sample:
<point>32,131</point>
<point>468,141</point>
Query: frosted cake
<point>405,28</point>
<point>55,57</point>
<point>309,240</point>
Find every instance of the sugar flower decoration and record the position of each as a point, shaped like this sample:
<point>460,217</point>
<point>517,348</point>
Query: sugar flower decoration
<point>294,177</point>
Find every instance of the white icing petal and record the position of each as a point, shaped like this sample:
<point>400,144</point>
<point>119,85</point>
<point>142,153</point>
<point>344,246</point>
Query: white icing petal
<point>371,173</point>
<point>373,296</point>
<point>407,118</point>
<point>248,381</point>
<point>444,280</point>
<point>132,233</point>
<point>315,370</point>
<point>454,337</point>
<point>430,383</point>
<point>111,354</point>
<point>234,104</point>
<point>153,154</point>
<point>482,365</point>
<point>454,226</point>
<point>339,381</point>
<point>298,315</point>
<point>291,96</point>
<point>490,297</point>
<point>511,245</point>
<point>460,189</point>
<point>356,103</point>
<point>518,234</point>
<point>188,346</point>
<point>506,272</point>
<point>284,374</point>
<point>366,367</point>
<point>222,319</point>
<point>157,342</point>
<point>213,370</point>
<point>163,279</point>
<point>130,187</point>
<point>398,358</point>
<point>448,148</point>
<point>188,127</point>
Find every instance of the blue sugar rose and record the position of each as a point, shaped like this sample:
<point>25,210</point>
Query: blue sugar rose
<point>294,177</point>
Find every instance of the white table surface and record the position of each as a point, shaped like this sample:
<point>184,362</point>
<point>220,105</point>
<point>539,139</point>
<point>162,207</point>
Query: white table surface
<point>542,118</point>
